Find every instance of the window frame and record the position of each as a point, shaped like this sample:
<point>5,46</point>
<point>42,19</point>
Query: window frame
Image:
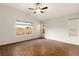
<point>26,22</point>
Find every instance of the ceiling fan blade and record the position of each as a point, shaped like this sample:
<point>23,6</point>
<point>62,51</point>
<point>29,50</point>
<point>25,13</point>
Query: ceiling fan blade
<point>44,8</point>
<point>41,11</point>
<point>31,8</point>
<point>35,12</point>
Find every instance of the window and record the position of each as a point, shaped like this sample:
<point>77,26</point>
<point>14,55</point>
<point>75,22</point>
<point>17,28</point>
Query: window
<point>23,28</point>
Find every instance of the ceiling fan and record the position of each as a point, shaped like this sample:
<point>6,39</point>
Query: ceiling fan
<point>39,7</point>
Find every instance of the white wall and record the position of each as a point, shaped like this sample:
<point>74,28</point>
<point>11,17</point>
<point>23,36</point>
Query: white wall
<point>8,17</point>
<point>58,29</point>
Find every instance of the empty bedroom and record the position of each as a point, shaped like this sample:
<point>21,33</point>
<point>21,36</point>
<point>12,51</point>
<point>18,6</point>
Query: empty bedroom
<point>39,29</point>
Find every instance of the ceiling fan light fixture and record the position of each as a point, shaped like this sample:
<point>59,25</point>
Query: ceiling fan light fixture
<point>39,8</point>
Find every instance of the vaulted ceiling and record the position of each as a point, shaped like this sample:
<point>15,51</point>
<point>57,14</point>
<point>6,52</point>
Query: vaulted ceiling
<point>55,10</point>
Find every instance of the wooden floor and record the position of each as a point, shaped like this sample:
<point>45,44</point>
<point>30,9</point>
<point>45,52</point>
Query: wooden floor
<point>39,47</point>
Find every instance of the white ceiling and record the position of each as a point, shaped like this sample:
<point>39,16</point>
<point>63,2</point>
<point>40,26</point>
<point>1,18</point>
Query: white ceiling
<point>54,10</point>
